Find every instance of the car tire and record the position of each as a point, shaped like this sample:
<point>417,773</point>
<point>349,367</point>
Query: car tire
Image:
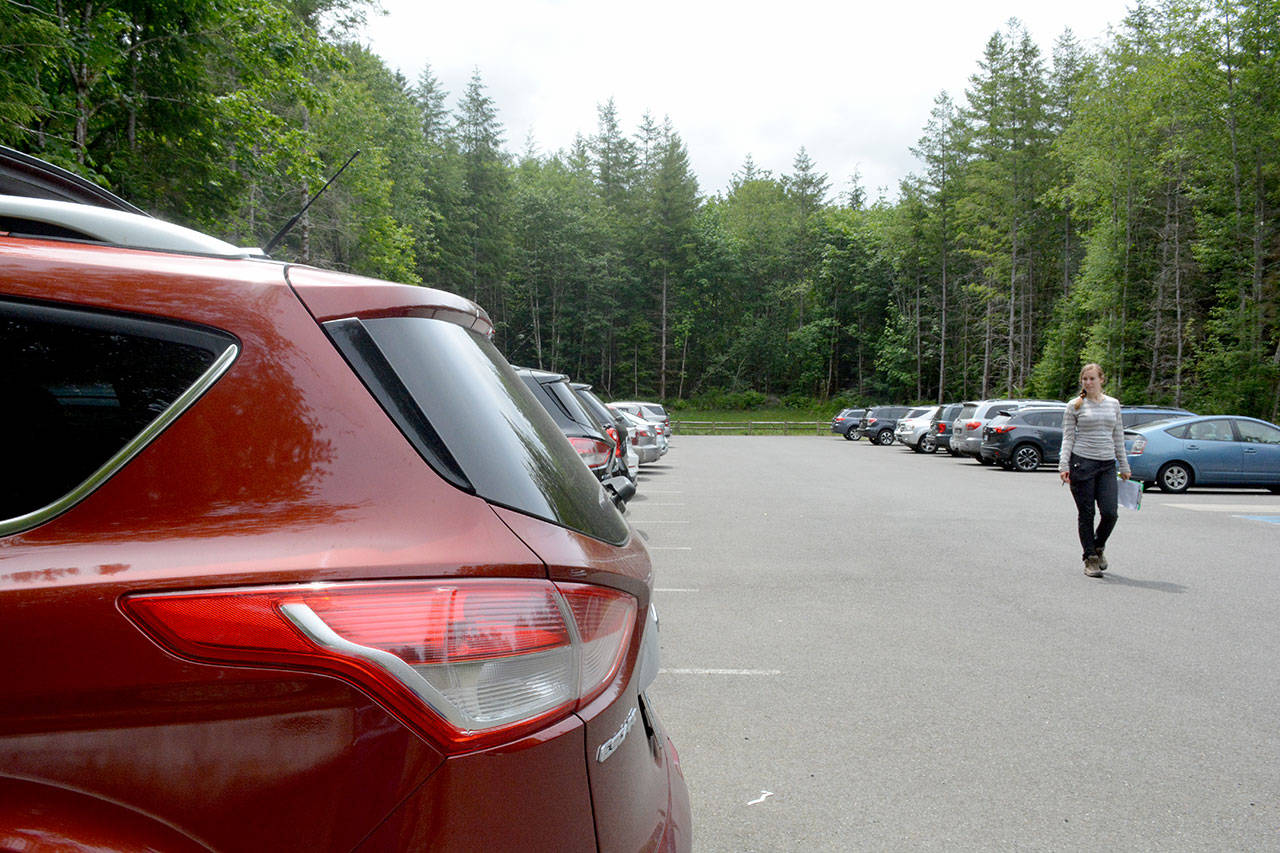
<point>928,444</point>
<point>1174,477</point>
<point>918,447</point>
<point>852,434</point>
<point>884,437</point>
<point>1026,457</point>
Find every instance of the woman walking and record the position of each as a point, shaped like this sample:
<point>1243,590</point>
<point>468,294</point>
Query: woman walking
<point>1092,454</point>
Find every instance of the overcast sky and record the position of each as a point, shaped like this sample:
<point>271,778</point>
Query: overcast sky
<point>852,82</point>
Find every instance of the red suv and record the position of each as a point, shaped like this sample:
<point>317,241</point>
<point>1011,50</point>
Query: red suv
<point>292,560</point>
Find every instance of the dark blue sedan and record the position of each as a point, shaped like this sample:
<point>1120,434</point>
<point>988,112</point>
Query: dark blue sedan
<point>1213,450</point>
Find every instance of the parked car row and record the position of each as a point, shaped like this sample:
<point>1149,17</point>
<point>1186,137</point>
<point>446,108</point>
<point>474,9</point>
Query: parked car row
<point>1169,448</point>
<point>295,560</point>
<point>848,423</point>
<point>653,427</point>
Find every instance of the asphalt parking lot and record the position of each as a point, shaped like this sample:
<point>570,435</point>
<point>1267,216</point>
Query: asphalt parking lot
<point>869,649</point>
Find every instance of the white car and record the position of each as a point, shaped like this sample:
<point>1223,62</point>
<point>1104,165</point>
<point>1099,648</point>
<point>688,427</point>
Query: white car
<point>648,411</point>
<point>642,437</point>
<point>914,429</point>
<point>651,412</point>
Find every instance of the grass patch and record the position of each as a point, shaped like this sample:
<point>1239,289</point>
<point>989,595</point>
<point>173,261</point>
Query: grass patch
<point>775,420</point>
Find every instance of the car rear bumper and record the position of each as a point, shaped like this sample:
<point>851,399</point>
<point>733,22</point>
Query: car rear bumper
<point>648,453</point>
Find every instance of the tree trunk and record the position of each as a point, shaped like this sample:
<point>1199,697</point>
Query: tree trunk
<point>662,358</point>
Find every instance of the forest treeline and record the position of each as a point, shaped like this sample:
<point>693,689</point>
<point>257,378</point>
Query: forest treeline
<point>1117,204</point>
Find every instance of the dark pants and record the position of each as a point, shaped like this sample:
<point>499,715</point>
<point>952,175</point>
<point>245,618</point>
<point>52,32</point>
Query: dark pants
<point>1093,481</point>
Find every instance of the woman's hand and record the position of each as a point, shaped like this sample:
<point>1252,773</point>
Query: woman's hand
<point>1065,476</point>
<point>1125,475</point>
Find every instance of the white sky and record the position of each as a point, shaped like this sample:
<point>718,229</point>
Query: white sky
<point>853,82</point>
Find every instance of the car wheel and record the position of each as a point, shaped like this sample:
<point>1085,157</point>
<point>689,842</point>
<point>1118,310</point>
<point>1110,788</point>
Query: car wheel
<point>918,447</point>
<point>929,444</point>
<point>852,435</point>
<point>1174,477</point>
<point>884,438</point>
<point>1026,457</point>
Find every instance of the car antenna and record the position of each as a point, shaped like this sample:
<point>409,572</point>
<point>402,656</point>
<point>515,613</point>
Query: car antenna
<point>288,226</point>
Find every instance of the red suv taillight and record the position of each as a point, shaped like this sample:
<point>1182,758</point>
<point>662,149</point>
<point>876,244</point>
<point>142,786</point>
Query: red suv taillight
<point>1001,430</point>
<point>467,663</point>
<point>593,451</point>
<point>972,425</point>
<point>617,442</point>
<point>942,428</point>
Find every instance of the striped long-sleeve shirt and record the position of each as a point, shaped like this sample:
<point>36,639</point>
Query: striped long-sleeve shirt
<point>1093,431</point>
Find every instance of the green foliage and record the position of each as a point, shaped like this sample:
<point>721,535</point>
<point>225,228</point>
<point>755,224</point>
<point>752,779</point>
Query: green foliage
<point>1117,205</point>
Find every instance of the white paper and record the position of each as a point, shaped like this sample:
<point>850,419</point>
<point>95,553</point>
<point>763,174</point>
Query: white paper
<point>1129,494</point>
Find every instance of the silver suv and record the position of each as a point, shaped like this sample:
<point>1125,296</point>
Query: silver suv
<point>966,435</point>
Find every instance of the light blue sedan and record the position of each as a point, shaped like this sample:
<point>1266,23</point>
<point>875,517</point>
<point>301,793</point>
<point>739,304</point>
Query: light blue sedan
<point>1214,450</point>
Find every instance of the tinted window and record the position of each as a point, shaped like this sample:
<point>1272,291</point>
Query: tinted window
<point>1256,433</point>
<point>596,406</point>
<point>473,420</point>
<point>83,392</point>
<point>1132,419</point>
<point>569,401</point>
<point>1216,430</point>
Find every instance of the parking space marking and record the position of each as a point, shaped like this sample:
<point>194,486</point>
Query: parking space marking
<point>660,521</point>
<point>1269,519</point>
<point>704,671</point>
<point>1227,507</point>
<point>673,589</point>
<point>670,548</point>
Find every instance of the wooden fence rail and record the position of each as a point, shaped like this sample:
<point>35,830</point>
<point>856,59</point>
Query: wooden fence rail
<point>679,427</point>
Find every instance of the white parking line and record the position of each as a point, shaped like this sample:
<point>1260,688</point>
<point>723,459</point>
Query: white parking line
<point>721,671</point>
<point>1228,507</point>
<point>670,548</point>
<point>673,589</point>
<point>659,521</point>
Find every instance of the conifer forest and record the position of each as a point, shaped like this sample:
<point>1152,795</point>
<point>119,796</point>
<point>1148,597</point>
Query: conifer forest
<point>1118,204</point>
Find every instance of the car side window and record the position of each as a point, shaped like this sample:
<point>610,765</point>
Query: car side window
<point>1216,430</point>
<point>83,393</point>
<point>1256,433</point>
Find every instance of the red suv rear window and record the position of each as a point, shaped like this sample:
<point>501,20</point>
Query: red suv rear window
<point>472,419</point>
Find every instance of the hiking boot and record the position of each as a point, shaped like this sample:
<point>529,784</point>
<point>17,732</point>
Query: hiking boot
<point>1102,561</point>
<point>1091,566</point>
